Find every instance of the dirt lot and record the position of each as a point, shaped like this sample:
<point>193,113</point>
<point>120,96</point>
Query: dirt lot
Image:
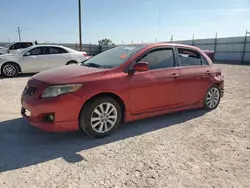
<point>187,149</point>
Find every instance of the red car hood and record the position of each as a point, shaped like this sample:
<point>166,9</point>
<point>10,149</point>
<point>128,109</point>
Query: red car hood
<point>68,74</point>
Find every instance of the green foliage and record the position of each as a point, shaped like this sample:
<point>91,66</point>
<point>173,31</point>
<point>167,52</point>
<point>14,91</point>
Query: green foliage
<point>106,42</point>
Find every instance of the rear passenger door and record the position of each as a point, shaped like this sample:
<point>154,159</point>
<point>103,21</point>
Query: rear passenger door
<point>194,75</point>
<point>57,57</point>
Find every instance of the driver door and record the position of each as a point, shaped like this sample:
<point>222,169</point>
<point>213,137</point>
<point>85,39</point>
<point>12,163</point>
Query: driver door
<point>157,88</point>
<point>35,60</point>
<point>13,48</point>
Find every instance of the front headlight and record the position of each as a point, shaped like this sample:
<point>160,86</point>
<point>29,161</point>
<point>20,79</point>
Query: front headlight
<point>54,91</point>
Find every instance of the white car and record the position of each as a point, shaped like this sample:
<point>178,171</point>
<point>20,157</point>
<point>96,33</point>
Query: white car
<point>15,47</point>
<point>38,58</point>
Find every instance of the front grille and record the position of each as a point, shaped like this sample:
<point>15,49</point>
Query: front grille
<point>30,90</point>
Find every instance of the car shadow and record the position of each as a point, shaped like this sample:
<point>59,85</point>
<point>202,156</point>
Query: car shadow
<point>19,76</point>
<point>23,145</point>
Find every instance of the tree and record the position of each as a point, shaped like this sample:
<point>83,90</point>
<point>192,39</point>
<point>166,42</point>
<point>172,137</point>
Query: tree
<point>106,42</point>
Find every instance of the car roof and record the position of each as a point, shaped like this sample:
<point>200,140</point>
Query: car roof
<point>49,45</point>
<point>150,45</point>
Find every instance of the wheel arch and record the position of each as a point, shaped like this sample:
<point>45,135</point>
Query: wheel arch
<point>71,61</point>
<point>18,66</point>
<point>105,94</point>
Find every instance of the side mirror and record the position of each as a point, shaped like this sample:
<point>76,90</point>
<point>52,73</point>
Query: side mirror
<point>140,67</point>
<point>27,54</point>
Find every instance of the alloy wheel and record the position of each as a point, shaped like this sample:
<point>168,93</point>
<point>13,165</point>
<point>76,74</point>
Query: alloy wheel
<point>213,97</point>
<point>9,70</point>
<point>103,117</point>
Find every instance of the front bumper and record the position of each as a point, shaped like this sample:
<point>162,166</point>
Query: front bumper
<point>66,126</point>
<point>65,108</point>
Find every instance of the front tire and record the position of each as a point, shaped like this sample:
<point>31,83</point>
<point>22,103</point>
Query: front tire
<point>212,98</point>
<point>100,117</point>
<point>10,70</point>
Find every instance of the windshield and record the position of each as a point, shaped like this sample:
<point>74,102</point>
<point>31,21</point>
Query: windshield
<point>114,57</point>
<point>8,45</point>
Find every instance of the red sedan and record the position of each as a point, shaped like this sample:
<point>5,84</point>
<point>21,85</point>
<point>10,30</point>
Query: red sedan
<point>123,84</point>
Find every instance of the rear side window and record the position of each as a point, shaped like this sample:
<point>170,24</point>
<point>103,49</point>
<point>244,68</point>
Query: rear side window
<point>159,58</point>
<point>190,57</point>
<point>57,50</point>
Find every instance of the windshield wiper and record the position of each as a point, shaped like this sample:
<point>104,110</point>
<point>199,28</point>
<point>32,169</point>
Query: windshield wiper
<point>92,65</point>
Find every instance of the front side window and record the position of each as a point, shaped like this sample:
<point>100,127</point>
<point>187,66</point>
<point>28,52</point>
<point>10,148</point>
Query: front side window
<point>190,57</point>
<point>159,58</point>
<point>38,51</point>
<point>16,46</point>
<point>114,57</point>
<point>35,51</point>
<point>19,45</point>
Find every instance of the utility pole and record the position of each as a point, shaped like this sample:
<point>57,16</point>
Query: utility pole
<point>244,47</point>
<point>215,42</point>
<point>19,33</point>
<point>172,38</point>
<point>80,24</point>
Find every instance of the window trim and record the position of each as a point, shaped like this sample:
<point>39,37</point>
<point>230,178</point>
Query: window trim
<point>152,49</point>
<point>186,48</point>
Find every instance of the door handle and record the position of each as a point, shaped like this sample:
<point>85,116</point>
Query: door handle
<point>208,72</point>
<point>174,75</point>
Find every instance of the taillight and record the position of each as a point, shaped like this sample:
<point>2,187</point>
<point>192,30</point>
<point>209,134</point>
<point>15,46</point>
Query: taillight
<point>85,54</point>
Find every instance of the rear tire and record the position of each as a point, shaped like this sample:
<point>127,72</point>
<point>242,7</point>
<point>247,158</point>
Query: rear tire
<point>212,98</point>
<point>10,70</point>
<point>100,117</point>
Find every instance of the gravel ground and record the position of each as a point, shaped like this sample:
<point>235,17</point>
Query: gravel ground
<point>186,149</point>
